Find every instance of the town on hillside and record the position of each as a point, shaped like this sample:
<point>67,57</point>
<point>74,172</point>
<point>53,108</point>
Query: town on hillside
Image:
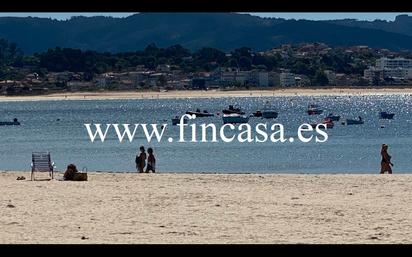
<point>176,68</point>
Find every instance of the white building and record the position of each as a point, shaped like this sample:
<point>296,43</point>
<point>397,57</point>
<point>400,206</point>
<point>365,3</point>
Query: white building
<point>287,79</point>
<point>242,77</point>
<point>395,63</point>
<point>235,76</point>
<point>263,79</point>
<point>274,79</point>
<point>398,69</point>
<point>259,78</point>
<point>228,76</point>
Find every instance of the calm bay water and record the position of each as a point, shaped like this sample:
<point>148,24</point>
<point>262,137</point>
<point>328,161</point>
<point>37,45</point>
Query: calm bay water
<point>349,149</point>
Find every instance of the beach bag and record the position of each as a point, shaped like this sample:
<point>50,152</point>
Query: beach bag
<point>80,176</point>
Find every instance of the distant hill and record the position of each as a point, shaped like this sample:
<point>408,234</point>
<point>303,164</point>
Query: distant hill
<point>224,31</point>
<point>402,24</point>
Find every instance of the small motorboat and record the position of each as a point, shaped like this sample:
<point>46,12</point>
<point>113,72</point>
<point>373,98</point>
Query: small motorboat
<point>314,109</point>
<point>176,120</point>
<point>15,122</point>
<point>353,122</point>
<point>257,114</point>
<point>269,112</point>
<point>199,113</point>
<point>233,109</point>
<point>333,117</point>
<point>327,121</point>
<point>385,115</point>
<point>234,118</point>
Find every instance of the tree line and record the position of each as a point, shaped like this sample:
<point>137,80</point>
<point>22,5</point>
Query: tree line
<point>205,59</point>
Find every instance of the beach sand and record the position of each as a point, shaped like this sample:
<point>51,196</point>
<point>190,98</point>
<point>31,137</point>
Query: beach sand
<point>207,208</point>
<point>209,94</point>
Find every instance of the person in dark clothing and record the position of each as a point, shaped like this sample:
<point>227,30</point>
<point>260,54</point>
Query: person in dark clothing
<point>70,171</point>
<point>386,160</point>
<point>141,160</point>
<point>151,161</point>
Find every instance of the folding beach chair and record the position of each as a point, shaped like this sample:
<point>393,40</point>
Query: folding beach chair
<point>41,162</point>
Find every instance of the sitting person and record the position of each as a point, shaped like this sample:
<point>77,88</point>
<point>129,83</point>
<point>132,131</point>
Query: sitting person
<point>71,170</point>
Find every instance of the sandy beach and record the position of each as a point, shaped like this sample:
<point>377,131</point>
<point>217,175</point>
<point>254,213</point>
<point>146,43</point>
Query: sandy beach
<point>207,208</point>
<point>208,94</point>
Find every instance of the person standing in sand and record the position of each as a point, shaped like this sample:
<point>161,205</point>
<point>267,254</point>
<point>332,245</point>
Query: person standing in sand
<point>141,160</point>
<point>386,160</point>
<point>151,161</point>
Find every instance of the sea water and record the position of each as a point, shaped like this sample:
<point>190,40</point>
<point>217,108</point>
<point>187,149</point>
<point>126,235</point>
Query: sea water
<point>58,127</point>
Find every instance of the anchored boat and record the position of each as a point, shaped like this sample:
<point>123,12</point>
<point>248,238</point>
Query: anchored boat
<point>269,112</point>
<point>176,120</point>
<point>199,113</point>
<point>333,117</point>
<point>314,109</point>
<point>385,115</point>
<point>233,109</point>
<point>234,118</point>
<point>359,121</point>
<point>15,122</point>
<point>327,121</point>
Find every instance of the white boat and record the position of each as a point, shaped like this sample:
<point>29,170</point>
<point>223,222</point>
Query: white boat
<point>234,118</point>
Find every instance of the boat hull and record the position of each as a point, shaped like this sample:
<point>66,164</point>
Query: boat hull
<point>177,121</point>
<point>9,123</point>
<point>385,115</point>
<point>232,112</point>
<point>235,119</point>
<point>269,114</point>
<point>201,114</point>
<point>328,125</point>
<point>353,122</point>
<point>334,118</point>
<point>314,112</point>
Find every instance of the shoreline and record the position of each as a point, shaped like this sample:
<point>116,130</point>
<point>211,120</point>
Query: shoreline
<point>100,172</point>
<point>113,95</point>
<point>125,208</point>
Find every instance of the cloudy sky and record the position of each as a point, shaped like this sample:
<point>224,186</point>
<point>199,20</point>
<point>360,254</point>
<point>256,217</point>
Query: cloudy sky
<point>308,16</point>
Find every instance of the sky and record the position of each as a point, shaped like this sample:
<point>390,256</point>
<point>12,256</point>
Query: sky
<point>302,15</point>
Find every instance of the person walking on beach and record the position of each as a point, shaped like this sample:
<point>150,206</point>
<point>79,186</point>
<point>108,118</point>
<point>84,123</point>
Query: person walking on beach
<point>141,160</point>
<point>386,160</point>
<point>151,161</point>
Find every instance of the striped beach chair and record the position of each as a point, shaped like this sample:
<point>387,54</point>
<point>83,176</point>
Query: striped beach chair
<point>41,162</point>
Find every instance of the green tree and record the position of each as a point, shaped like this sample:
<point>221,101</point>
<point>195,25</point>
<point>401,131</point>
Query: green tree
<point>161,81</point>
<point>320,78</point>
<point>245,63</point>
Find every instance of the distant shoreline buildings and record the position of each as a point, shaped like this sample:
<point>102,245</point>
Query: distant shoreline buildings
<point>396,71</point>
<point>303,65</point>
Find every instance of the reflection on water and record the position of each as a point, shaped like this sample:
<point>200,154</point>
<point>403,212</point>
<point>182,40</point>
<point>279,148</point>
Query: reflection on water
<point>57,126</point>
